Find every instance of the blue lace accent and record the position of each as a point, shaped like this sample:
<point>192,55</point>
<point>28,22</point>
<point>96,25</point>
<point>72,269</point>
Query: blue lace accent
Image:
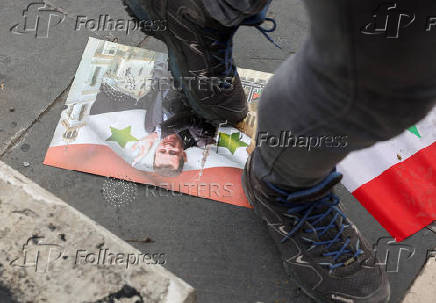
<point>264,31</point>
<point>259,19</point>
<point>306,209</point>
<point>225,56</point>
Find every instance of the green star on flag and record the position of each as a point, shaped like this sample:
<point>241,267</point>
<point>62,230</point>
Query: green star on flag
<point>414,130</point>
<point>121,136</point>
<point>231,142</point>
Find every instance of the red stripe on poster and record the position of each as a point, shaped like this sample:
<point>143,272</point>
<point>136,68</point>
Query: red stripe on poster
<point>221,184</point>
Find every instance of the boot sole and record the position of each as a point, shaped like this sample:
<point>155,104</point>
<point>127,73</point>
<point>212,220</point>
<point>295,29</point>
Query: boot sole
<point>291,275</point>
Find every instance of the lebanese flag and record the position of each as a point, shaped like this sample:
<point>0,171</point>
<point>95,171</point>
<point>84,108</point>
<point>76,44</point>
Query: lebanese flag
<point>396,180</point>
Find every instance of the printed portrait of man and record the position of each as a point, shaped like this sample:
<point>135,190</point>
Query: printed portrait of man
<point>171,127</point>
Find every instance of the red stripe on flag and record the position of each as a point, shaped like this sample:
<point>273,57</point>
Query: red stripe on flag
<point>403,198</point>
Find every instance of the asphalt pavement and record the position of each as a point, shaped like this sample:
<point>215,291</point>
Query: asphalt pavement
<point>222,250</point>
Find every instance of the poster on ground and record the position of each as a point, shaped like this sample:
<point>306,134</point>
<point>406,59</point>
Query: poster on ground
<point>125,118</point>
<point>121,120</point>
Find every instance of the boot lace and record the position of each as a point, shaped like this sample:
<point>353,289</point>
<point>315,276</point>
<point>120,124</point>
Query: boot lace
<point>316,212</point>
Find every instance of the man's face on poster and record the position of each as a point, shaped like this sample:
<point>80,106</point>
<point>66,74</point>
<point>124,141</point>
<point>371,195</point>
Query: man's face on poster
<point>170,153</point>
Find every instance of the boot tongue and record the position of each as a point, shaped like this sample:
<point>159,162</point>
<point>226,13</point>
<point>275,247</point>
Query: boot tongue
<point>221,47</point>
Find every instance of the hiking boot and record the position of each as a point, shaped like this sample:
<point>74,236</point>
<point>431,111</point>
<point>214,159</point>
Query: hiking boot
<point>200,55</point>
<point>322,251</point>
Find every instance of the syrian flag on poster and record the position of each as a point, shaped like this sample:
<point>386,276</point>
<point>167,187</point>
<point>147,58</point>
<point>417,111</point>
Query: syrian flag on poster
<point>122,119</point>
<point>396,180</point>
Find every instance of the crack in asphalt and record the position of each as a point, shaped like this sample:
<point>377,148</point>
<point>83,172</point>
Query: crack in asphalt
<point>21,133</point>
